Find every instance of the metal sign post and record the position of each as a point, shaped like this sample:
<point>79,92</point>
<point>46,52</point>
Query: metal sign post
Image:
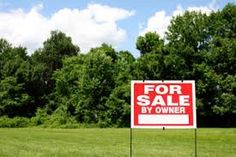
<point>130,142</point>
<point>195,134</point>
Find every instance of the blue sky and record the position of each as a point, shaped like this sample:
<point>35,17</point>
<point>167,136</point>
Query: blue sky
<point>28,22</point>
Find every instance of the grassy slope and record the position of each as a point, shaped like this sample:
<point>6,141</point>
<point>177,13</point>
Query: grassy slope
<point>35,142</point>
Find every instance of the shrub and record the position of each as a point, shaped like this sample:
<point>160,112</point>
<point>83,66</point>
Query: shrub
<point>15,122</point>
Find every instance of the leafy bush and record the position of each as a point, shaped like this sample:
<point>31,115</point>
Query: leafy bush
<point>15,122</point>
<point>40,118</point>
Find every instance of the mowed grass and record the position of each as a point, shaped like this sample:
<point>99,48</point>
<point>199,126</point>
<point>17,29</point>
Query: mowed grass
<point>94,142</point>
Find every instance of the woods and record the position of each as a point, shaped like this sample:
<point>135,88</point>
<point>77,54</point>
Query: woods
<point>59,85</point>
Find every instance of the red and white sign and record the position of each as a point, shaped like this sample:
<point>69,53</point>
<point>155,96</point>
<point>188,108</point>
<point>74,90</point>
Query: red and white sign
<point>158,104</point>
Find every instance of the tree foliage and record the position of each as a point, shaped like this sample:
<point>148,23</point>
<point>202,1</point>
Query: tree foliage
<point>57,85</point>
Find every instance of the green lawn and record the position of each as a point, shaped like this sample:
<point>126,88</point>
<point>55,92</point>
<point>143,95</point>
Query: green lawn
<point>37,142</point>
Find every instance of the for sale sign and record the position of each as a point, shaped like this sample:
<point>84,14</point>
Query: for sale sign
<point>158,104</point>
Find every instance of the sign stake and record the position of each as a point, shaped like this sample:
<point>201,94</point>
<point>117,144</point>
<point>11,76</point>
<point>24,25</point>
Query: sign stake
<point>130,142</point>
<point>195,133</point>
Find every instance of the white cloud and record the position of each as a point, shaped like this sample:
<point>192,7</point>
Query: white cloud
<point>158,23</point>
<point>88,27</point>
<point>201,9</point>
<point>160,20</point>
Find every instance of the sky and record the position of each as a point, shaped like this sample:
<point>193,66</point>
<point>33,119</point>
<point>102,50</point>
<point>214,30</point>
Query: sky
<point>90,23</point>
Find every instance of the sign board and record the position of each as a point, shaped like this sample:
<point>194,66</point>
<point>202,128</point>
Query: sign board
<point>158,104</point>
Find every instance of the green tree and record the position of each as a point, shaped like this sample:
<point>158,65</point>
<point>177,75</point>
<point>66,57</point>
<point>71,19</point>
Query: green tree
<point>206,44</point>
<point>95,85</point>
<point>84,84</point>
<point>14,100</point>
<point>151,42</point>
<point>14,73</point>
<point>50,57</point>
<point>118,103</point>
<point>44,62</point>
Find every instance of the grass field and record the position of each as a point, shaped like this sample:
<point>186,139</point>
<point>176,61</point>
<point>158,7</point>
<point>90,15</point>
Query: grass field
<point>36,142</point>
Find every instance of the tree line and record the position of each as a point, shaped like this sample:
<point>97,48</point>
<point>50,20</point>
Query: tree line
<point>60,86</point>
